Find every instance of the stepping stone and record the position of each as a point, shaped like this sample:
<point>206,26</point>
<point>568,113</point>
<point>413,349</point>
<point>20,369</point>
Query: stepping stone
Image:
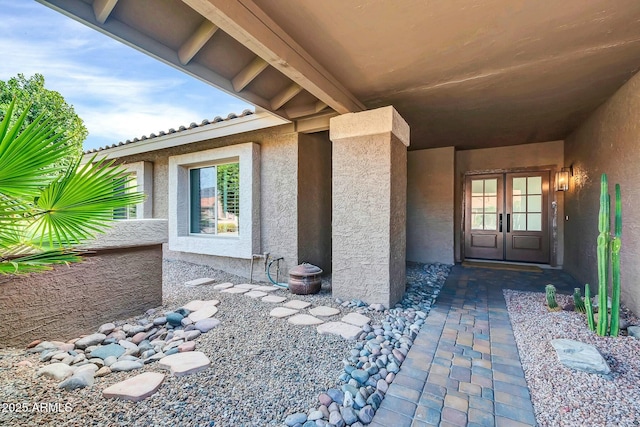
<point>345,330</point>
<point>324,311</point>
<point>185,363</point>
<point>247,286</point>
<point>137,388</point>
<point>267,289</point>
<point>274,299</point>
<point>297,304</point>
<point>581,356</point>
<point>203,313</point>
<point>197,304</point>
<point>199,282</point>
<point>305,320</point>
<point>223,286</point>
<point>281,312</point>
<point>235,290</point>
<point>255,294</point>
<point>356,319</point>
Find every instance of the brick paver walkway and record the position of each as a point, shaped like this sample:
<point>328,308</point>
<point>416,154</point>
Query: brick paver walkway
<point>463,368</point>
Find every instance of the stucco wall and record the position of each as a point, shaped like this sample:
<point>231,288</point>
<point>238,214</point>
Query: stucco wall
<point>70,301</point>
<point>369,205</point>
<point>607,142</point>
<point>314,200</point>
<point>544,154</point>
<point>278,196</point>
<point>430,204</point>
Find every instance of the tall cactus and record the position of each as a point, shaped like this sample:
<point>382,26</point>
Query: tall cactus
<point>603,257</point>
<point>552,304</point>
<point>616,243</point>
<point>589,308</point>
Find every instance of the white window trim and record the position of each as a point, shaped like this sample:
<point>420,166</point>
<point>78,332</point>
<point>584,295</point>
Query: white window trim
<point>248,240</point>
<point>144,179</point>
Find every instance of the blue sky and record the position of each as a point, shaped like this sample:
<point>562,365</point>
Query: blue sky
<point>120,93</point>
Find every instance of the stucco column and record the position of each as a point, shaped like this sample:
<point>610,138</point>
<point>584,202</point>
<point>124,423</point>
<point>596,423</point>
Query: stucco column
<point>369,205</point>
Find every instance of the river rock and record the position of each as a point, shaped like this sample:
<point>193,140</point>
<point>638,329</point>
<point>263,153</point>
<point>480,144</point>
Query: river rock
<point>78,380</point>
<point>105,351</point>
<point>58,371</point>
<point>125,365</point>
<point>580,356</point>
<point>93,339</point>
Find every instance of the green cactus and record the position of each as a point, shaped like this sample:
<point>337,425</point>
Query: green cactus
<point>603,257</point>
<point>577,301</point>
<point>589,308</point>
<point>616,243</point>
<point>552,305</point>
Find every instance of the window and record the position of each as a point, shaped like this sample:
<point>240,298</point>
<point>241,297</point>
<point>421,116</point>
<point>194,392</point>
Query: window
<point>128,212</point>
<point>215,199</point>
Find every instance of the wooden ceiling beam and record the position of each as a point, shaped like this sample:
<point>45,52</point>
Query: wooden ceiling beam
<point>248,73</point>
<point>196,41</point>
<point>103,8</point>
<point>305,110</point>
<point>285,96</point>
<point>251,26</point>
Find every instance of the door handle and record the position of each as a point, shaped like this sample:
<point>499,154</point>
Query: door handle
<point>508,223</point>
<point>500,222</point>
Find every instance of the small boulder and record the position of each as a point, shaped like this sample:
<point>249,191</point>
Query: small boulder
<point>79,380</point>
<point>580,356</point>
<point>58,371</point>
<point>90,340</point>
<point>105,351</point>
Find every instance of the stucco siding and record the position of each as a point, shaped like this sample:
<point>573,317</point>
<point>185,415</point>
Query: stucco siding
<point>543,155</point>
<point>430,205</point>
<point>314,200</point>
<point>607,142</point>
<point>69,301</point>
<point>278,196</point>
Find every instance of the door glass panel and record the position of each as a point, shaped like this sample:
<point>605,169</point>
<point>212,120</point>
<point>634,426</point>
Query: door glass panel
<point>519,186</point>
<point>518,204</point>
<point>534,222</point>
<point>490,204</point>
<point>519,222</point>
<point>490,222</point>
<point>476,204</point>
<point>476,187</point>
<point>534,204</point>
<point>534,184</point>
<point>476,221</point>
<point>490,187</point>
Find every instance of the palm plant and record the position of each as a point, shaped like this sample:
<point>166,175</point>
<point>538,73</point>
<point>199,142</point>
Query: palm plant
<point>47,210</point>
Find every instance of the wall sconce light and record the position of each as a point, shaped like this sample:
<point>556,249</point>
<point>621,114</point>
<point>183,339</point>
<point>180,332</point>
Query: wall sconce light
<point>562,178</point>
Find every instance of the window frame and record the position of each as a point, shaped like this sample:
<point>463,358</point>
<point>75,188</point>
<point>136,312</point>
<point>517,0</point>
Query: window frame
<point>247,242</point>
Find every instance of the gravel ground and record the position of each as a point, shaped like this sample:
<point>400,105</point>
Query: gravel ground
<point>263,369</point>
<point>566,397</point>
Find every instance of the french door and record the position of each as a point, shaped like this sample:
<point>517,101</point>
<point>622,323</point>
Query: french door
<point>507,216</point>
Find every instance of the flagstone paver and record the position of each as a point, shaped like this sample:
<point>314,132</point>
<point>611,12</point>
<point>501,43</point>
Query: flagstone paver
<point>204,313</point>
<point>273,299</point>
<point>185,363</point>
<point>324,311</point>
<point>281,312</point>
<point>345,330</point>
<point>255,294</point>
<point>248,286</point>
<point>198,304</point>
<point>199,282</point>
<point>222,286</point>
<point>235,290</point>
<point>136,388</point>
<point>267,289</point>
<point>305,320</point>
<point>297,304</point>
<point>356,319</point>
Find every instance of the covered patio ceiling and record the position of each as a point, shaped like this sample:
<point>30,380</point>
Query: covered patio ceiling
<point>464,73</point>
